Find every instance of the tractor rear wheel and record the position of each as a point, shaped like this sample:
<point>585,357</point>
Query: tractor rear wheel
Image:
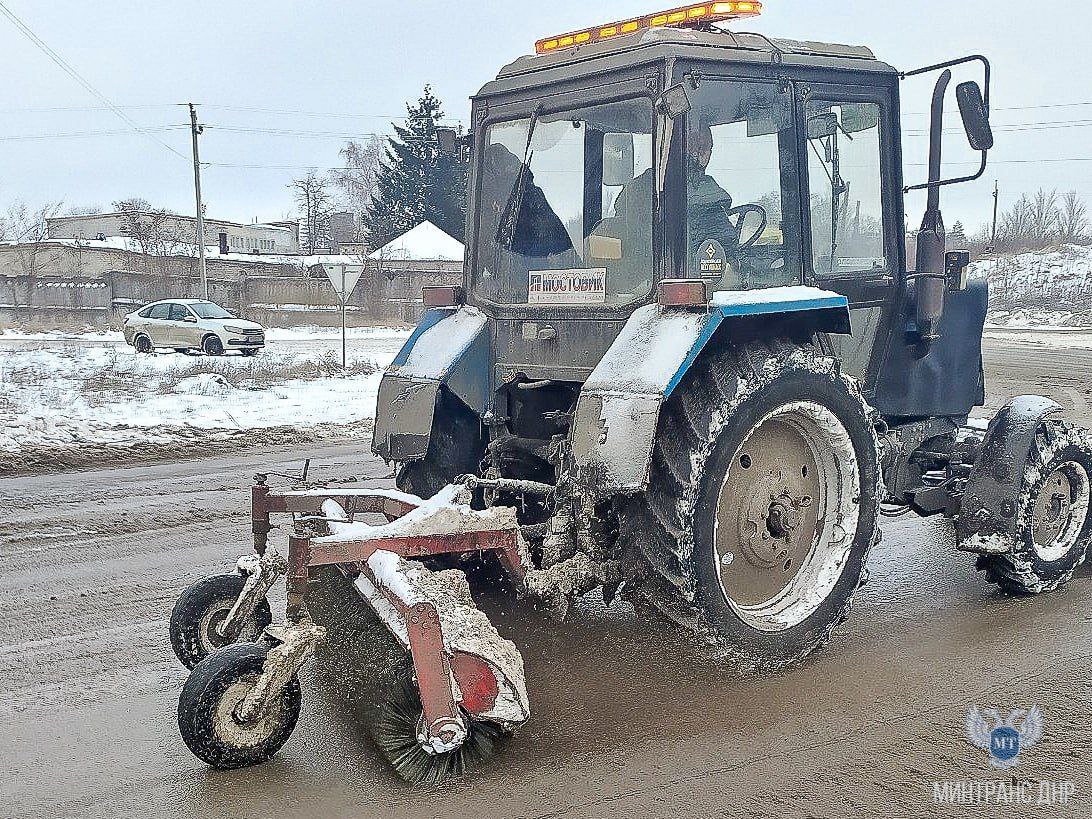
<point>1054,527</point>
<point>762,505</point>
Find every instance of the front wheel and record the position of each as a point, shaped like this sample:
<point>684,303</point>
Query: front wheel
<point>213,346</point>
<point>762,505</point>
<point>201,609</point>
<point>1054,525</point>
<point>208,710</point>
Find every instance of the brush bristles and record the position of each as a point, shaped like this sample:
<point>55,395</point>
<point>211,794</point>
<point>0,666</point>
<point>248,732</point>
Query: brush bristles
<point>396,735</point>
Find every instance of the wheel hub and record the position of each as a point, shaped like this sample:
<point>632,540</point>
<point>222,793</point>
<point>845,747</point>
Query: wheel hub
<point>1060,512</point>
<point>771,496</point>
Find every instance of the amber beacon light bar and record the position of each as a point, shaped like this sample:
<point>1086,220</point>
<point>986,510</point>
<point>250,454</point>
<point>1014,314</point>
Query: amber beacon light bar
<point>695,15</point>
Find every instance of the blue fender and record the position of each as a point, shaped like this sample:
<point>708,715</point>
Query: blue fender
<point>618,410</point>
<point>449,348</point>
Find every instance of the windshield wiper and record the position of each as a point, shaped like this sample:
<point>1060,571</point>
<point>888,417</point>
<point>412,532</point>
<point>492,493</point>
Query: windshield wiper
<point>506,229</point>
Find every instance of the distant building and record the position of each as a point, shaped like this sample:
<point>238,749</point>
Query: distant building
<point>280,238</point>
<point>424,243</point>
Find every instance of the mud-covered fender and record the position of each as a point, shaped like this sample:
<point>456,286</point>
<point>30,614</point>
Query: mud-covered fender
<point>993,489</point>
<point>449,347</point>
<point>619,406</point>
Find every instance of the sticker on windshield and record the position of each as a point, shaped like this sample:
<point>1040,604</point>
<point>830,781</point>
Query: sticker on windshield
<point>567,286</point>
<point>712,260</point>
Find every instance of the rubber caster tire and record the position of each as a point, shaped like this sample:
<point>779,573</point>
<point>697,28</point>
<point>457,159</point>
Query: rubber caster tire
<point>201,608</point>
<point>213,346</point>
<point>206,710</point>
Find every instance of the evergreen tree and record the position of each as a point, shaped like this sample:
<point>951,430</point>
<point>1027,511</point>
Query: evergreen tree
<point>418,180</point>
<point>957,235</point>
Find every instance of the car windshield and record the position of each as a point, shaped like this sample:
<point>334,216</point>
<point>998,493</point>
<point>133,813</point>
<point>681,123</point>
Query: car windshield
<point>208,310</point>
<point>566,203</point>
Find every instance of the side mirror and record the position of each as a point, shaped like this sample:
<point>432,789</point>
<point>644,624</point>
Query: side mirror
<point>618,161</point>
<point>976,117</point>
<point>821,126</point>
<point>674,102</point>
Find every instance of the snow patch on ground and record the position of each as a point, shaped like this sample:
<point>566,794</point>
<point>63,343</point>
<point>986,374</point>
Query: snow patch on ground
<point>55,395</point>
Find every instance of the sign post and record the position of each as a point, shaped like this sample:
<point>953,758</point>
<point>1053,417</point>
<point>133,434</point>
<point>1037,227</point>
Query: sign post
<point>343,278</point>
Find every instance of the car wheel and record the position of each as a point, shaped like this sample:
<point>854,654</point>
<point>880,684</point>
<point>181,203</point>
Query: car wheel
<point>142,344</point>
<point>213,346</point>
<point>249,353</point>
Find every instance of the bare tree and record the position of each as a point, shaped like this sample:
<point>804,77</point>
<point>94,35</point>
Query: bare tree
<point>160,234</point>
<point>358,181</point>
<point>315,206</point>
<point>1073,221</point>
<point>1044,217</point>
<point>27,228</point>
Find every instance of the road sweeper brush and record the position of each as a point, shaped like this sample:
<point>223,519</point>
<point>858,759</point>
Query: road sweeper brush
<point>461,692</point>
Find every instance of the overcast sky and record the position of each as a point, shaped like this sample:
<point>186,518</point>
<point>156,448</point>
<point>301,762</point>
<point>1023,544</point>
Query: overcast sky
<point>347,68</point>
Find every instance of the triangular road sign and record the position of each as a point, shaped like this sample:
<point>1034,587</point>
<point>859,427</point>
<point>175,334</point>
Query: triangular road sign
<point>343,278</point>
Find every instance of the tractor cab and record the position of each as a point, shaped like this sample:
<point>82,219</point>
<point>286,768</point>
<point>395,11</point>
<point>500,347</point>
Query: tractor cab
<point>607,167</point>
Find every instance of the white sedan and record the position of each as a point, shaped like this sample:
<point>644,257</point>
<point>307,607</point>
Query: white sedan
<point>191,324</point>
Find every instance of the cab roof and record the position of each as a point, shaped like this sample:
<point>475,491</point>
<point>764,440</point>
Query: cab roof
<point>659,44</point>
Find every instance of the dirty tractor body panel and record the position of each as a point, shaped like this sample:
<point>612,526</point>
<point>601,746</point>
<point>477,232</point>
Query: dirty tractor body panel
<point>689,367</point>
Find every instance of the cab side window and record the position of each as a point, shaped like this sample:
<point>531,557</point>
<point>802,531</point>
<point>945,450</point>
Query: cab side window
<point>846,188</point>
<point>178,312</point>
<point>160,311</point>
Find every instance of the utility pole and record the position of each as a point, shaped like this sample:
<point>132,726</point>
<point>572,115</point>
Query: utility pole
<point>195,130</point>
<point>993,233</point>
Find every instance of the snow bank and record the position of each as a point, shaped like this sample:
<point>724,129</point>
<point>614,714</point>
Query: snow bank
<point>64,396</point>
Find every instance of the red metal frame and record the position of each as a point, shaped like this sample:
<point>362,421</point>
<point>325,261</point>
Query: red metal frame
<point>434,667</point>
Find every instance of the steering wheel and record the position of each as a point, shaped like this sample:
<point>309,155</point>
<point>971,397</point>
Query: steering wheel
<point>742,212</point>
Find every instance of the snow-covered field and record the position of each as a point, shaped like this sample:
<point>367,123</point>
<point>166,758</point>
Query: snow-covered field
<point>64,398</point>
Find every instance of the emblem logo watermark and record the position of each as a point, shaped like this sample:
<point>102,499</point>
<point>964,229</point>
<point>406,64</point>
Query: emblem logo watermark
<point>1004,739</point>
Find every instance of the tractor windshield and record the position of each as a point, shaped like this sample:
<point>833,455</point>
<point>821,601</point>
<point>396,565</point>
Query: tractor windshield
<point>566,207</point>
<point>743,211</point>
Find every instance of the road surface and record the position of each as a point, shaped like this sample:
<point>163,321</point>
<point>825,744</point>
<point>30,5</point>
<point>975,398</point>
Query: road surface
<point>627,720</point>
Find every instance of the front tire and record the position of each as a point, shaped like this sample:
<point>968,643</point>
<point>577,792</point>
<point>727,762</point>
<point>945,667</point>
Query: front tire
<point>201,608</point>
<point>207,708</point>
<point>762,505</point>
<point>1054,525</point>
<point>213,346</point>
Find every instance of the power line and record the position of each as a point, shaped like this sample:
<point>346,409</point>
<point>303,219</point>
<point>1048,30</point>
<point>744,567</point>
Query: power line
<point>75,75</point>
<point>81,134</point>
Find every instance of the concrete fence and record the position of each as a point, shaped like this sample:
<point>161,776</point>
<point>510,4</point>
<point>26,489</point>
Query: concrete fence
<point>386,292</point>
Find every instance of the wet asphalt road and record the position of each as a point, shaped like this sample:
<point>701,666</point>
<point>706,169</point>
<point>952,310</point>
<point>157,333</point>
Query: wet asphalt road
<point>628,721</point>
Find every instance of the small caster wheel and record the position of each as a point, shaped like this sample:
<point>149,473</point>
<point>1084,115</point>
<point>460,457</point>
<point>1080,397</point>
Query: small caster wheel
<point>202,608</point>
<point>208,706</point>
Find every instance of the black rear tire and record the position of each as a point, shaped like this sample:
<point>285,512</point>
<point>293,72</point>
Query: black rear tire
<point>667,533</point>
<point>1030,568</point>
<point>142,344</point>
<point>201,608</point>
<point>250,353</point>
<point>206,710</point>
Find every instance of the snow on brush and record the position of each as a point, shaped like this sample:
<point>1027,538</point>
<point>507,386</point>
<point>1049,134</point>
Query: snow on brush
<point>65,395</point>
